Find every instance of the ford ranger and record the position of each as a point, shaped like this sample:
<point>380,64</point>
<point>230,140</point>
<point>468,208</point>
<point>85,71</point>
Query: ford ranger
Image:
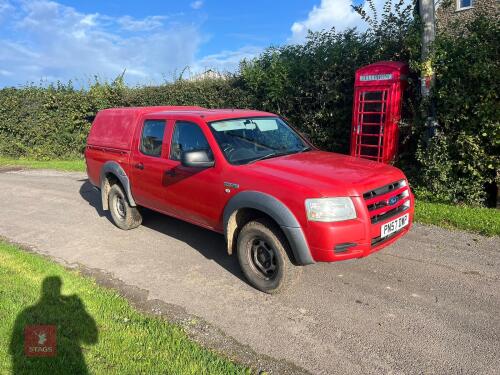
<point>280,202</point>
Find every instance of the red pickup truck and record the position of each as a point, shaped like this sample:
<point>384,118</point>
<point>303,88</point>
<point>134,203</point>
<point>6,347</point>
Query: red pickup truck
<point>279,201</point>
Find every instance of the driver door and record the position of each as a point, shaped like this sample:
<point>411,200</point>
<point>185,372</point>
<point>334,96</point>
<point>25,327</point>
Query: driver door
<point>193,194</point>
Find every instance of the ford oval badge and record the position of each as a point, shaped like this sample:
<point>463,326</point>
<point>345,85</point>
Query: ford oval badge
<point>393,200</point>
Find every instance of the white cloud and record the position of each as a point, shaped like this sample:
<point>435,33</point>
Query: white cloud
<point>329,13</point>
<point>51,41</point>
<point>226,61</point>
<point>146,24</point>
<point>332,13</point>
<point>5,8</point>
<point>197,4</point>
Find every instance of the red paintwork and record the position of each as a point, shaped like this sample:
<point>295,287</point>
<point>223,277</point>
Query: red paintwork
<point>199,196</point>
<point>375,130</point>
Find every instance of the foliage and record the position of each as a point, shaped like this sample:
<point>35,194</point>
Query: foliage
<point>461,161</point>
<point>53,122</point>
<point>224,92</point>
<point>41,122</point>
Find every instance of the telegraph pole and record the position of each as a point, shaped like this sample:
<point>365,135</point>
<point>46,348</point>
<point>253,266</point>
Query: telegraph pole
<point>427,16</point>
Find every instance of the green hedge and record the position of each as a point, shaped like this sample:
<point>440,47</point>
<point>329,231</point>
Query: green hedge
<point>311,84</point>
<point>461,162</point>
<point>53,122</point>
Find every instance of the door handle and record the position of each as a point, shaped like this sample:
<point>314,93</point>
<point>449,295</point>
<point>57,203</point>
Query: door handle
<point>139,166</point>
<point>170,172</point>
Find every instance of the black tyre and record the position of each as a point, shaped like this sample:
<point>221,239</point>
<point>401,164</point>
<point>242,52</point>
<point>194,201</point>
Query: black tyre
<point>124,215</point>
<point>265,258</point>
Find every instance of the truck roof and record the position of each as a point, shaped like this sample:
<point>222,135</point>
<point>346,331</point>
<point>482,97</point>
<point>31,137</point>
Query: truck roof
<point>142,110</point>
<point>114,127</point>
<point>195,111</point>
<point>213,114</point>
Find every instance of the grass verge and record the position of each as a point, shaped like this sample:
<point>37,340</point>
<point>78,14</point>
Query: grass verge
<point>98,331</point>
<point>485,221</point>
<point>76,165</point>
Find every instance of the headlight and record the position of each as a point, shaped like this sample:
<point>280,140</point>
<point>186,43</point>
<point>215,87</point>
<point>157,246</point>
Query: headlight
<point>330,209</point>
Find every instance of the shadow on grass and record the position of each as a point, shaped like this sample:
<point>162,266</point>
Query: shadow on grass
<point>47,336</point>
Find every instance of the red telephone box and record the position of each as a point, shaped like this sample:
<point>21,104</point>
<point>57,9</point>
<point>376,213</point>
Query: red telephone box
<point>378,92</point>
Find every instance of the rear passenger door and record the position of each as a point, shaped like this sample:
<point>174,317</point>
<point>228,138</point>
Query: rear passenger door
<point>148,164</point>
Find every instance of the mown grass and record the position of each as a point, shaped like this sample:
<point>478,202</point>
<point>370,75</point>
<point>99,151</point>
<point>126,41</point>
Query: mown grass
<point>473,219</point>
<point>98,331</point>
<point>76,165</point>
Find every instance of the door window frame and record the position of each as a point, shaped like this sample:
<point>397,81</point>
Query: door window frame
<point>172,133</point>
<point>165,143</point>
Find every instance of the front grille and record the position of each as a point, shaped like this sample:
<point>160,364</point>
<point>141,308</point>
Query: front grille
<point>387,201</point>
<point>384,189</point>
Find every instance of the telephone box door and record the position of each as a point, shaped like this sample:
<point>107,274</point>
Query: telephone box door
<point>370,119</point>
<point>377,110</point>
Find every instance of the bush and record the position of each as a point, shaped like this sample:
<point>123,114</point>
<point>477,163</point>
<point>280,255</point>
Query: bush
<point>53,122</point>
<point>461,161</point>
<point>226,92</point>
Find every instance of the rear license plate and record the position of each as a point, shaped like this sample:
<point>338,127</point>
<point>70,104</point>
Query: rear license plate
<point>394,225</point>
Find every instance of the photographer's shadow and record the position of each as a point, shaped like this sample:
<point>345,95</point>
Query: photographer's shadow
<point>33,336</point>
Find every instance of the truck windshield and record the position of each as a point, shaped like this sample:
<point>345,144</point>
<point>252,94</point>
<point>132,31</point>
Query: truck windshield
<point>246,140</point>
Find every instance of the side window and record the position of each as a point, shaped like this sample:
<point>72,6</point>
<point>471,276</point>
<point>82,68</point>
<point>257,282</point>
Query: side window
<point>152,137</point>
<point>187,137</point>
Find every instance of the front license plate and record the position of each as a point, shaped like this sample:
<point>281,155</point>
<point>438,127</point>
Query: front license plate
<point>394,225</point>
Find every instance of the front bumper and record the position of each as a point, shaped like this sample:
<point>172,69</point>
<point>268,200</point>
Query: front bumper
<point>331,242</point>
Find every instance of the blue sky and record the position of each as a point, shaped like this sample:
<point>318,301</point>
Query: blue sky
<point>151,40</point>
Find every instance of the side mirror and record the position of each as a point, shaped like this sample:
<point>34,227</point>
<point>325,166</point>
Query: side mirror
<point>197,158</point>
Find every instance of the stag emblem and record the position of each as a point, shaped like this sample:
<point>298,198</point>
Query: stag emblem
<point>42,337</point>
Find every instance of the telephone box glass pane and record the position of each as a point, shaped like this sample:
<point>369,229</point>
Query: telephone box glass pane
<point>371,95</point>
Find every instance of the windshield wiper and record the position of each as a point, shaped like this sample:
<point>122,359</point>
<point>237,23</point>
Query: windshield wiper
<point>276,154</point>
<point>268,156</point>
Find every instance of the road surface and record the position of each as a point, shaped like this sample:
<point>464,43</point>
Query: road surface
<point>428,304</point>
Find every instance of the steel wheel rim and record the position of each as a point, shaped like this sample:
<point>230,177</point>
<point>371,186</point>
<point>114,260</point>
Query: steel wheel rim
<point>120,207</point>
<point>263,258</point>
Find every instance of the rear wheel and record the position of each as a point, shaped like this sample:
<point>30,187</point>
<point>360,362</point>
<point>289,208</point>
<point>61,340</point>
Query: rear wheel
<point>124,215</point>
<point>264,257</point>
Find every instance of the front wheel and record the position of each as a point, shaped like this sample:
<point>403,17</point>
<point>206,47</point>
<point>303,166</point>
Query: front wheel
<point>264,257</point>
<point>124,215</point>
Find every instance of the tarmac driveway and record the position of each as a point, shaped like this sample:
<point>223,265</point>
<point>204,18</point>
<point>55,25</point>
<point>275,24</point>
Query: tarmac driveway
<point>428,304</point>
